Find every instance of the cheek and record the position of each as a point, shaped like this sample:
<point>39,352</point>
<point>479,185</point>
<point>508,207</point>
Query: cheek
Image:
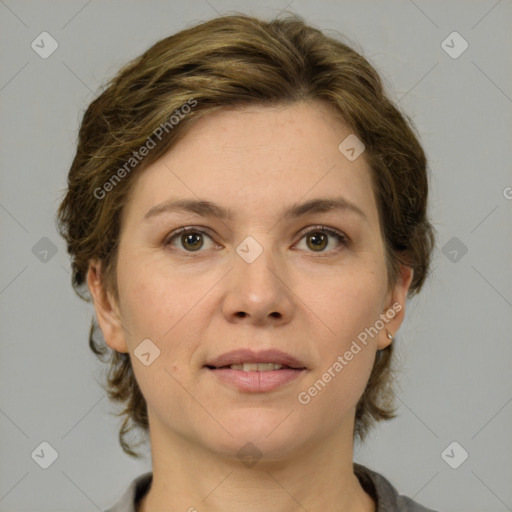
<point>347,301</point>
<point>145,307</point>
<point>156,310</point>
<point>348,307</point>
<point>151,301</point>
<point>330,395</point>
<point>162,308</point>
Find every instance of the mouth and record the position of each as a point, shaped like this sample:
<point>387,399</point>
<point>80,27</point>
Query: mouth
<point>255,372</point>
<point>254,367</point>
<point>246,359</point>
<point>250,380</point>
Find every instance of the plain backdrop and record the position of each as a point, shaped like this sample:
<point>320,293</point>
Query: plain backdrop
<point>455,346</point>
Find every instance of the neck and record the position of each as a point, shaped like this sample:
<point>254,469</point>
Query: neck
<point>190,477</point>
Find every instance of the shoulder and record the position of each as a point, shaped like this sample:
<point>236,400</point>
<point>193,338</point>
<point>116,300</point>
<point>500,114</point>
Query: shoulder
<point>386,496</point>
<point>133,494</point>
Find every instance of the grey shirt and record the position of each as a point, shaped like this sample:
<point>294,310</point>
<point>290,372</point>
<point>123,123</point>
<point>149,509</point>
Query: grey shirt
<point>381,490</point>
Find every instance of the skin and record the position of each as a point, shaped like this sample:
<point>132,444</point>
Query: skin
<point>310,303</point>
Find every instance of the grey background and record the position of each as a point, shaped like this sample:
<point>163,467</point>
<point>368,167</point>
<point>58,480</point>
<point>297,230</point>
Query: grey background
<point>455,346</point>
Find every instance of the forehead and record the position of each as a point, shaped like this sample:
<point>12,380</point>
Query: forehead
<point>257,157</point>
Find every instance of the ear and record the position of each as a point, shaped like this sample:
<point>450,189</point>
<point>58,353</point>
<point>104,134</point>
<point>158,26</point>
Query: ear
<point>394,311</point>
<point>107,311</point>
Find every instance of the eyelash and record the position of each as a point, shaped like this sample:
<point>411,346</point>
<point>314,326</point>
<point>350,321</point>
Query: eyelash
<point>341,237</point>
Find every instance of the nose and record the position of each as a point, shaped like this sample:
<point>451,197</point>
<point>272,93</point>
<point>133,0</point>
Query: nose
<point>257,291</point>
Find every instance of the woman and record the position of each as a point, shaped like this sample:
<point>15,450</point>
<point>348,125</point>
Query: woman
<point>247,210</point>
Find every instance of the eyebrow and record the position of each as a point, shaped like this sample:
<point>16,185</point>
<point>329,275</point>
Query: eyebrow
<point>209,209</point>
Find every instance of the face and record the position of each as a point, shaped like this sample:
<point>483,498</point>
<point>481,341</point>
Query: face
<point>307,283</point>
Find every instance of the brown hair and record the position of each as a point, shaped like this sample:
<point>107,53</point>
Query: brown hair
<point>228,62</point>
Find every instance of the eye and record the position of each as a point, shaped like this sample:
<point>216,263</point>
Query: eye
<point>191,239</point>
<point>318,238</point>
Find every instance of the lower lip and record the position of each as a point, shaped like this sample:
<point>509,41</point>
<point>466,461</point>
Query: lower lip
<point>256,382</point>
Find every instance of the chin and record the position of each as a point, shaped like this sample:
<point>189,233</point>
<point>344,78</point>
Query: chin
<point>260,433</point>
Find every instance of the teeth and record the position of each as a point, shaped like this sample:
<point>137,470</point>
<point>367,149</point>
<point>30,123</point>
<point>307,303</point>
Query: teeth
<point>256,367</point>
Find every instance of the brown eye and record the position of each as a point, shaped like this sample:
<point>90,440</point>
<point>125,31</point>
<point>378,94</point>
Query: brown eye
<point>192,241</point>
<point>188,239</point>
<point>318,239</point>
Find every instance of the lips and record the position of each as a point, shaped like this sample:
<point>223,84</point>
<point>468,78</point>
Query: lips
<point>256,372</point>
<point>248,356</point>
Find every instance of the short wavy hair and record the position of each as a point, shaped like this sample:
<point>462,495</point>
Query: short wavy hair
<point>235,61</point>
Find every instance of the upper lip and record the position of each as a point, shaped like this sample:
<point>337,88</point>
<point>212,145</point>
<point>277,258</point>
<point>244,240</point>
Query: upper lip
<point>240,356</point>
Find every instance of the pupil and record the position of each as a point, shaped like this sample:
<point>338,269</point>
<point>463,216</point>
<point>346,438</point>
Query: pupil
<point>189,237</point>
<point>320,237</point>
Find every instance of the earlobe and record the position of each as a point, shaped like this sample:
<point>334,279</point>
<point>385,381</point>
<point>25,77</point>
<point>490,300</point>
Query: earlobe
<point>395,308</point>
<point>107,312</point>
